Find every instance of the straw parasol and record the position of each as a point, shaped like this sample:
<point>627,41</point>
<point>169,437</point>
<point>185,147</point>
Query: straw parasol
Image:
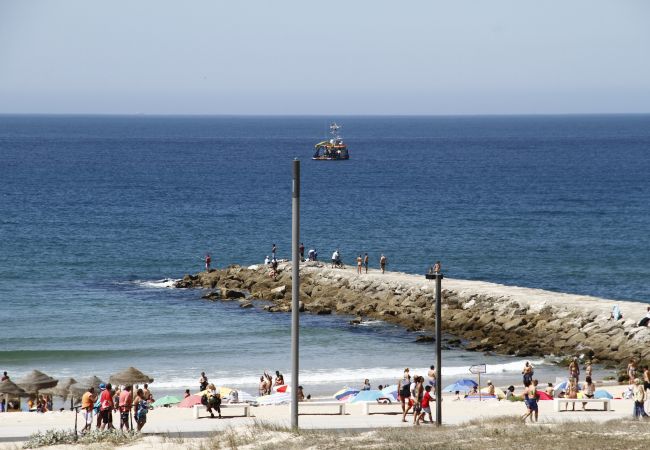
<point>62,389</point>
<point>80,387</point>
<point>8,388</point>
<point>129,376</point>
<point>35,381</point>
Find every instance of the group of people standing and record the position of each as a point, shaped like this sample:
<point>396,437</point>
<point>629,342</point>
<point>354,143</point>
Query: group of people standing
<point>120,400</point>
<point>267,383</point>
<point>414,392</point>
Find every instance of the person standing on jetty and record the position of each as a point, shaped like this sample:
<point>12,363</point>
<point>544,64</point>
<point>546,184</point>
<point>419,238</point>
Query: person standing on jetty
<point>359,263</point>
<point>437,267</point>
<point>382,263</point>
<point>273,250</point>
<point>365,261</point>
<point>301,249</point>
<point>208,260</point>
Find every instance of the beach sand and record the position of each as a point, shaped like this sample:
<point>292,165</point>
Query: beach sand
<point>179,424</point>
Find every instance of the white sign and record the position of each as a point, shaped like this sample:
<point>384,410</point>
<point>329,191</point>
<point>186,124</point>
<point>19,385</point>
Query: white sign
<point>479,368</point>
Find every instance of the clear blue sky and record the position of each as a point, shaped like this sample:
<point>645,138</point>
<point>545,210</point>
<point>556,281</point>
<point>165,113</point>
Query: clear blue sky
<point>334,57</point>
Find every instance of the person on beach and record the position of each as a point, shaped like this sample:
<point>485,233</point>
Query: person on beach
<point>572,392</point>
<point>301,394</point>
<point>426,405</point>
<point>646,378</point>
<point>126,403</point>
<point>431,375</point>
<point>528,372</point>
<point>214,400</point>
<point>437,267</point>
<point>359,263</point>
<point>5,377</point>
<point>336,257</point>
<point>208,261</point>
<point>588,369</point>
<point>203,382</point>
<point>639,399</point>
<point>366,385</point>
<point>140,409</point>
<point>273,250</point>
<point>88,400</point>
<point>510,393</point>
<point>574,369</point>
<point>267,260</point>
<point>631,371</point>
<point>310,255</point>
<point>589,390</point>
<point>148,396</point>
<point>187,393</point>
<point>279,379</point>
<point>269,382</point>
<point>365,261</point>
<point>530,400</point>
<point>382,263</point>
<point>418,394</point>
<point>301,250</point>
<point>404,389</point>
<point>106,408</point>
<point>491,388</point>
<point>261,388</point>
<point>550,390</point>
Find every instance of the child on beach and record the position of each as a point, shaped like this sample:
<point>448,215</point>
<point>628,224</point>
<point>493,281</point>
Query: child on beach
<point>426,405</point>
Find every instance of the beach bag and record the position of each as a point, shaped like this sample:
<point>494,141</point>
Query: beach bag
<point>143,409</point>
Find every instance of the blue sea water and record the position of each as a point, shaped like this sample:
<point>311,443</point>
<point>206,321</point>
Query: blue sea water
<point>95,209</point>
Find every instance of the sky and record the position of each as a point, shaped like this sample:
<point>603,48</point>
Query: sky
<point>335,57</point>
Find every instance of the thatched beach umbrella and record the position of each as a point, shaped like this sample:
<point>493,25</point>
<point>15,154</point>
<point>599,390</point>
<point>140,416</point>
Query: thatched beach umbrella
<point>62,389</point>
<point>8,388</point>
<point>36,381</point>
<point>129,376</point>
<point>78,389</point>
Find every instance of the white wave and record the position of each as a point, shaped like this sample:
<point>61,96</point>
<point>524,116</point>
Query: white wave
<point>378,375</point>
<point>156,284</point>
<point>371,323</point>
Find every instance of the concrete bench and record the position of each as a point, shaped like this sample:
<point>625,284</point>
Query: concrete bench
<point>245,406</point>
<point>340,407</point>
<point>558,401</point>
<point>365,407</point>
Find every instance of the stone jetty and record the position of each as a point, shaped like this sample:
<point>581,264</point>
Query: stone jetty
<point>484,316</point>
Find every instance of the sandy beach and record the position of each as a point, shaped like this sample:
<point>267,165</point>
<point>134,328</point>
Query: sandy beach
<point>179,422</point>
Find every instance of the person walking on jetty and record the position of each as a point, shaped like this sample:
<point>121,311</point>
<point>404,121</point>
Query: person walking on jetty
<point>208,261</point>
<point>273,250</point>
<point>382,263</point>
<point>365,261</point>
<point>359,263</point>
<point>88,400</point>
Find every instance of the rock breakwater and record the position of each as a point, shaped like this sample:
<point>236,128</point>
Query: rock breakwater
<point>488,317</point>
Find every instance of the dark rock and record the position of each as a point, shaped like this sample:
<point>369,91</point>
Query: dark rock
<point>214,295</point>
<point>425,338</point>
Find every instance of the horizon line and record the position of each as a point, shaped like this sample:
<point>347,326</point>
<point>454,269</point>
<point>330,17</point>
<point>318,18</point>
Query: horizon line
<point>99,114</point>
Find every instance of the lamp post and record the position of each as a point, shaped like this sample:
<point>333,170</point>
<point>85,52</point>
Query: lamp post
<point>295,290</point>
<point>438,277</point>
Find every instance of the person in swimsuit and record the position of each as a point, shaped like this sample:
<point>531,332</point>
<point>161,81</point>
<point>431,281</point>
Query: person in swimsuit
<point>208,260</point>
<point>527,373</point>
<point>530,400</point>
<point>572,392</point>
<point>574,369</point>
<point>631,371</point>
<point>359,263</point>
<point>382,263</point>
<point>404,389</point>
<point>279,379</point>
<point>418,393</point>
<point>589,390</point>
<point>365,262</point>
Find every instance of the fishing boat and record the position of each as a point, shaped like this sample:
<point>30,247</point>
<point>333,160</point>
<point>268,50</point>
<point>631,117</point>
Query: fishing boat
<point>333,149</point>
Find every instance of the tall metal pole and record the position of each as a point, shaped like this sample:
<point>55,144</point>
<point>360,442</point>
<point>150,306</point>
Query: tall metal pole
<point>295,290</point>
<point>438,348</point>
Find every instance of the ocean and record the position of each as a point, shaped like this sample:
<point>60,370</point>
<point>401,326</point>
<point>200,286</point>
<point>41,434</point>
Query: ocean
<point>98,213</point>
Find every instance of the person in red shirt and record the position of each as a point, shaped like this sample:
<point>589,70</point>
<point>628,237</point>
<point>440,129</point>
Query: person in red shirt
<point>426,405</point>
<point>106,408</point>
<point>126,401</point>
